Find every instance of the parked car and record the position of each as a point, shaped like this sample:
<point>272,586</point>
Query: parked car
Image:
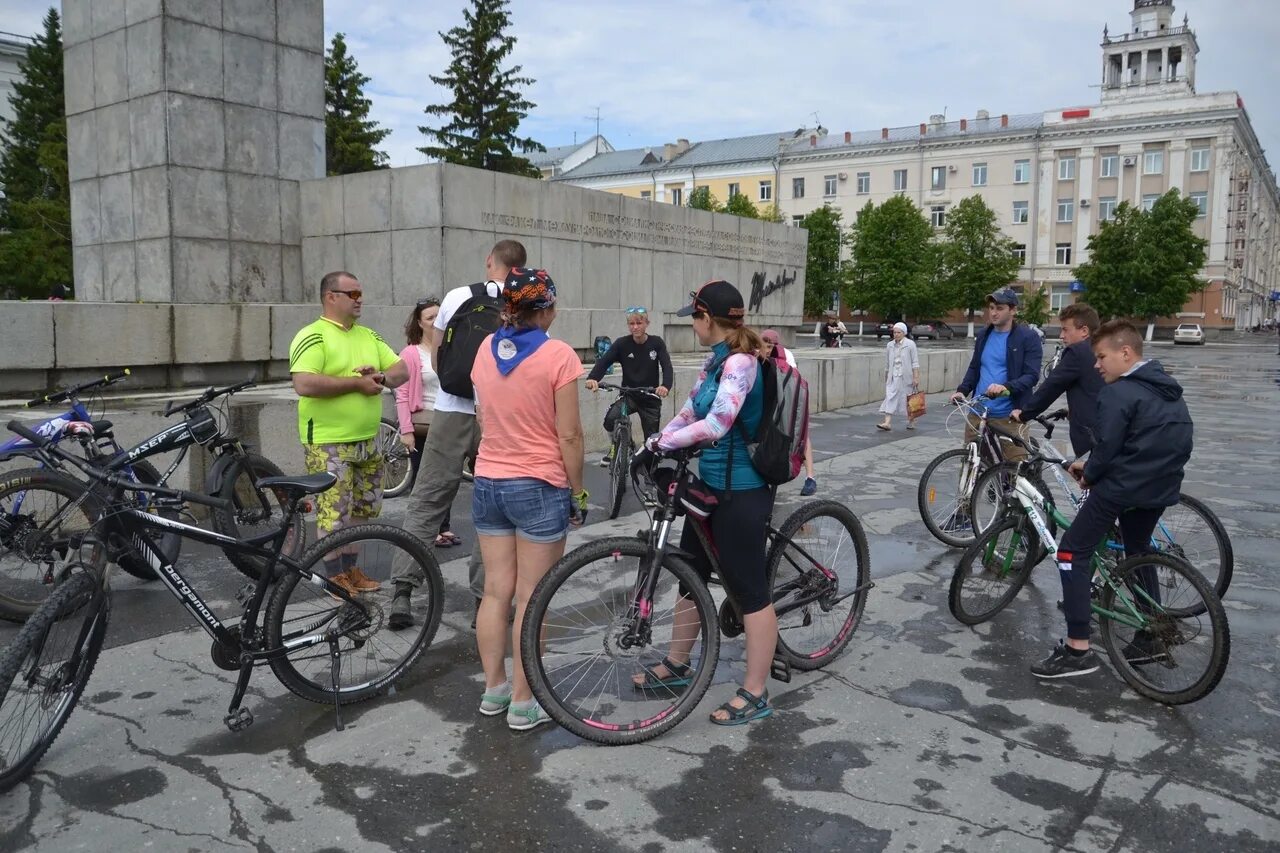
<point>933,330</point>
<point>1188,333</point>
<point>885,329</point>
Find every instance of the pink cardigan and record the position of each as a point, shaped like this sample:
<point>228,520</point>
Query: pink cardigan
<point>409,394</point>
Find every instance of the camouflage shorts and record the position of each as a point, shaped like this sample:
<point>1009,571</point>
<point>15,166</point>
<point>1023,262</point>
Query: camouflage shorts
<point>358,492</point>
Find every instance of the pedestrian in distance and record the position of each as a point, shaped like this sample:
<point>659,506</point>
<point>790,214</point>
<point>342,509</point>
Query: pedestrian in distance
<point>901,377</point>
<point>1075,375</point>
<point>774,349</point>
<point>642,357</point>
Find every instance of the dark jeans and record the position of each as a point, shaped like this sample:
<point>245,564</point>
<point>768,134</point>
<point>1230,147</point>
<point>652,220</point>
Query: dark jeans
<point>415,459</point>
<point>738,533</point>
<point>1089,530</point>
<point>649,409</point>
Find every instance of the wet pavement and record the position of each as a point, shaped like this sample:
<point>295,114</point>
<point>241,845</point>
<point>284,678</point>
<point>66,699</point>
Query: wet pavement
<point>923,735</point>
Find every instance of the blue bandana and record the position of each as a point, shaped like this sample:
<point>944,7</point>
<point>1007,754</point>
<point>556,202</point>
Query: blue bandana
<point>511,346</point>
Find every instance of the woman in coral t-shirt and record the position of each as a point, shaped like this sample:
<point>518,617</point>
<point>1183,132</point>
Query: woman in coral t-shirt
<point>528,477</point>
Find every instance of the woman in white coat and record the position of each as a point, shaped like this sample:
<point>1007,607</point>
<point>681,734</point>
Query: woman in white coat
<point>902,376</point>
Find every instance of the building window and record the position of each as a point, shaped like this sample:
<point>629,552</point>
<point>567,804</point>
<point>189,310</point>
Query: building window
<point>797,220</point>
<point>646,195</point>
<point>1021,212</point>
<point>797,187</point>
<point>1106,209</point>
<point>1063,255</point>
<point>1199,159</point>
<point>1059,298</point>
<point>1149,201</point>
<point>1020,252</point>
<point>979,174</point>
<point>864,183</point>
<point>1021,171</point>
<point>766,191</point>
<point>1153,162</point>
<point>938,181</point>
<point>734,189</point>
<point>1066,209</point>
<point>677,195</point>
<point>938,215</point>
<point>1110,166</point>
<point>899,180</point>
<point>1202,204</point>
<point>1067,168</point>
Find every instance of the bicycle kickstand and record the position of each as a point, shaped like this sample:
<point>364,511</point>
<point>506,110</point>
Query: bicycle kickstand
<point>238,718</point>
<point>335,667</point>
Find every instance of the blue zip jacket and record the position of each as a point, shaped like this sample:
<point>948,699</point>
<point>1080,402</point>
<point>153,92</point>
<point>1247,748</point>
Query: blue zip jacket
<point>1022,361</point>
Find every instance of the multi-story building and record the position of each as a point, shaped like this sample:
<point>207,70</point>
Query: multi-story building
<point>1052,177</point>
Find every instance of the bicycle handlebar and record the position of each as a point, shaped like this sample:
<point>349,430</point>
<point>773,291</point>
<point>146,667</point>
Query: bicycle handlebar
<point>609,386</point>
<point>68,393</point>
<point>210,394</point>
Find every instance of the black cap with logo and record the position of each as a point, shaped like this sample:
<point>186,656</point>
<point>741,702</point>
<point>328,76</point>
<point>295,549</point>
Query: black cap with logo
<point>718,298</point>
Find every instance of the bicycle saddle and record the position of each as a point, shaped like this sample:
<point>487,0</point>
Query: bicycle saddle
<point>299,484</point>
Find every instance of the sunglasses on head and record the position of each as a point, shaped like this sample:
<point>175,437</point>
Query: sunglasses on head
<point>350,294</point>
<point>429,302</point>
<point>637,309</point>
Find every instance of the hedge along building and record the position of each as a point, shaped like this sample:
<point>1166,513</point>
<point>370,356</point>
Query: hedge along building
<point>202,223</point>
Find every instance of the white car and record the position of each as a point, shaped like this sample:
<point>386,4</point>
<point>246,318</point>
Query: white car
<point>1188,333</point>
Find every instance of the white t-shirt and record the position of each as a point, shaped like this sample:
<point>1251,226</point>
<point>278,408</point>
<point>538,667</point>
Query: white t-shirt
<point>446,402</point>
<point>430,381</point>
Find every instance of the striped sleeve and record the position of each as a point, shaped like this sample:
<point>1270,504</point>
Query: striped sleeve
<point>306,353</point>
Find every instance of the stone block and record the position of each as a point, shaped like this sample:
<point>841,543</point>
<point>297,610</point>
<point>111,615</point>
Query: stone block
<point>244,333</point>
<point>751,239</point>
<point>111,133</point>
<point>286,320</point>
<point>201,270</point>
<point>107,15</point>
<point>252,140</point>
<point>560,207</point>
<point>301,148</point>
<point>563,259</point>
<point>601,269</point>
<point>320,256</point>
<point>28,337</point>
<point>207,12</point>
<point>140,335</point>
<point>601,213</point>
<point>87,263</point>
<point>251,17</point>
<point>253,208</point>
<point>136,11</point>
<point>77,77</point>
<point>464,254</point>
<point>416,270</point>
<point>668,229</point>
<point>82,146</point>
<point>699,269</point>
<point>115,205</point>
<point>86,220</point>
<point>635,278</point>
<point>197,132</point>
<point>148,131</point>
<point>670,288</point>
<point>301,82</point>
<point>290,213</point>
<point>193,54</point>
<point>469,199</point>
<point>77,22</point>
<point>145,61</point>
<point>516,205</point>
<point>366,201</point>
<point>119,273</point>
<point>199,202</point>
<point>322,203</point>
<point>150,203</point>
<point>153,259</point>
<point>249,70</point>
<point>368,258</point>
<point>573,326</point>
<point>255,273</point>
<point>291,274</point>
<point>387,321</point>
<point>415,197</point>
<point>300,23</point>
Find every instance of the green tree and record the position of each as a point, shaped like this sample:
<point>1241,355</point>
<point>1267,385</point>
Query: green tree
<point>894,264</point>
<point>487,107</point>
<point>1035,306</point>
<point>977,258</point>
<point>824,271</point>
<point>740,205</point>
<point>702,199</point>
<point>349,134</point>
<point>35,213</point>
<point>771,213</point>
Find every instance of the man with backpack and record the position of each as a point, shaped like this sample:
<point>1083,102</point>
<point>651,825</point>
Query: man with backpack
<point>467,316</point>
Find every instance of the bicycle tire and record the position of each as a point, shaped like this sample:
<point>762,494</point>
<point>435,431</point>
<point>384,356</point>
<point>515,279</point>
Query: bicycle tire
<point>1004,568</point>
<point>619,471</point>
<point>68,606</point>
<point>397,466</point>
<point>253,512</point>
<point>802,530</point>
<point>170,542</point>
<point>298,603</point>
<point>541,636</point>
<point>947,518</point>
<point>1177,534</point>
<point>27,550</point>
<point>988,504</point>
<point>1174,633</point>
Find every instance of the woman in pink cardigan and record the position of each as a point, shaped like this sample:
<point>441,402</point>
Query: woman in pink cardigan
<point>416,399</point>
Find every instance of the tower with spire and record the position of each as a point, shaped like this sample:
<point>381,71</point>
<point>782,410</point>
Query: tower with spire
<point>1153,58</point>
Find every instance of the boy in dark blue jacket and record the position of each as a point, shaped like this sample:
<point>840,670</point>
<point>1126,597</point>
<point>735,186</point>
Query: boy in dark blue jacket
<point>1143,441</point>
<point>1076,375</point>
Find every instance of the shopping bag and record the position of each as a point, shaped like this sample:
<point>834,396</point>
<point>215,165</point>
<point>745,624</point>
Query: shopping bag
<point>915,403</point>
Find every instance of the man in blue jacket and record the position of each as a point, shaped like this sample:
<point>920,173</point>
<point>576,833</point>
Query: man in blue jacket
<point>1006,358</point>
<point>1144,439</point>
<point>1075,375</point>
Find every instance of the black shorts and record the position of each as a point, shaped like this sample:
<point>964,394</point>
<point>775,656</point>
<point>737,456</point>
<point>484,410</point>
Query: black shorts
<point>738,531</point>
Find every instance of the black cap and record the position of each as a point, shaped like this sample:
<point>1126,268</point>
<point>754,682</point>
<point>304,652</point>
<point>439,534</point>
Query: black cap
<point>1004,296</point>
<point>718,298</point>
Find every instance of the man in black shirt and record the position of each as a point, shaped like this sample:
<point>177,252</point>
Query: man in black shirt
<point>640,354</point>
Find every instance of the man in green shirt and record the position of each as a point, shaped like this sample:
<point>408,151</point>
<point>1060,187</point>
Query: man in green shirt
<point>339,369</point>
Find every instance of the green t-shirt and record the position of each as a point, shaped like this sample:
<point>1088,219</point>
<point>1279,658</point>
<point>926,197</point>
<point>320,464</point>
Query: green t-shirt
<point>326,348</point>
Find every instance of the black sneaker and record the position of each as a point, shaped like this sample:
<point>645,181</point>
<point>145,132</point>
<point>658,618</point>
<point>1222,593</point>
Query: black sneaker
<point>1144,648</point>
<point>401,616</point>
<point>606,460</point>
<point>1064,663</point>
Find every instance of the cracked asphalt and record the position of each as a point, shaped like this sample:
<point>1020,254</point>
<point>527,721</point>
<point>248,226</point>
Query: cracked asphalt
<point>924,735</point>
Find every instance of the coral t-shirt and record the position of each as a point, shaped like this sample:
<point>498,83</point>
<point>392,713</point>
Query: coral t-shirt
<point>518,413</point>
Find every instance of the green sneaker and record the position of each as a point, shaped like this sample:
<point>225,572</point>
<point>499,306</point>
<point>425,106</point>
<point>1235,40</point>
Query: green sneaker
<point>523,719</point>
<point>495,700</point>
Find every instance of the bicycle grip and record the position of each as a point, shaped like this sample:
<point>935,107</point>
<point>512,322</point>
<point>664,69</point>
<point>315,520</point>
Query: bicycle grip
<point>30,435</point>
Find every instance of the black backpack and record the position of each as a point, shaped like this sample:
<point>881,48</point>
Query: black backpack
<point>475,320</point>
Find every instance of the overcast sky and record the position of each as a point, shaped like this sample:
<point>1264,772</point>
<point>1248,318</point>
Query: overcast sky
<point>705,69</point>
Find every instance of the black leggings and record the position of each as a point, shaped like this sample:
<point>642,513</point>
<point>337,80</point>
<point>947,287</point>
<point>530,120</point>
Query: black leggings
<point>738,532</point>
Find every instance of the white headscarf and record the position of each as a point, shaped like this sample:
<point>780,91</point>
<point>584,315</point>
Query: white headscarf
<point>902,327</point>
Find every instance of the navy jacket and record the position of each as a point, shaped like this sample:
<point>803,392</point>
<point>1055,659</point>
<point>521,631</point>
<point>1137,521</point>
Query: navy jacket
<point>1077,375</point>
<point>1022,360</point>
<point>1143,439</point>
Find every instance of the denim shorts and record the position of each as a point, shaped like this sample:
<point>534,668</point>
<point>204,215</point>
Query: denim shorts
<point>526,507</point>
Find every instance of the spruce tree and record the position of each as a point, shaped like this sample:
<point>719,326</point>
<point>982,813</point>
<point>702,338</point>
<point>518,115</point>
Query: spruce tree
<point>484,116</point>
<point>349,134</point>
<point>35,214</point>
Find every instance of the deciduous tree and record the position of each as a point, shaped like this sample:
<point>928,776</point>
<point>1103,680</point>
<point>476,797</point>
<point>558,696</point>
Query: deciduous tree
<point>977,258</point>
<point>702,199</point>
<point>824,270</point>
<point>894,263</point>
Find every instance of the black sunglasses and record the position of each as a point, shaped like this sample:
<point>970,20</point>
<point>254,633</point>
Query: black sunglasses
<point>350,294</point>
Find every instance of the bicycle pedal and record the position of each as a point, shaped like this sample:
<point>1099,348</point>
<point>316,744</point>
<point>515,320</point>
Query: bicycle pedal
<point>780,670</point>
<point>238,720</point>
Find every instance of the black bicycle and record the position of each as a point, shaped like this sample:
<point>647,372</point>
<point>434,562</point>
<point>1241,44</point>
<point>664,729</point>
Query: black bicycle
<point>322,641</point>
<point>622,445</point>
<point>611,610</point>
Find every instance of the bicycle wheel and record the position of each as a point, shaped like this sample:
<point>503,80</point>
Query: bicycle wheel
<point>988,504</point>
<point>255,511</point>
<point>397,467</point>
<point>818,612</point>
<point>1167,632</point>
<point>44,670</point>
<point>42,523</point>
<point>170,542</point>
<point>991,571</point>
<point>373,656</point>
<point>619,471</point>
<point>943,497</point>
<point>579,671</point>
<point>1190,530</point>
